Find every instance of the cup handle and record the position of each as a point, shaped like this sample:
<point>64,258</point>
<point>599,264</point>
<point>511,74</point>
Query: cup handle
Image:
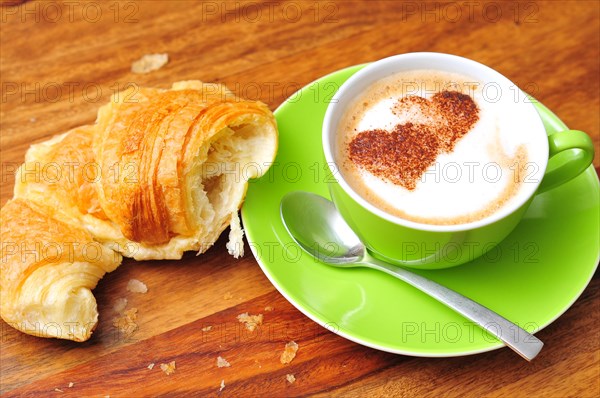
<point>570,164</point>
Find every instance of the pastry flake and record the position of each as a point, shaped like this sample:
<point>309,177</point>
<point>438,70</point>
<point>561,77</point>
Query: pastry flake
<point>149,63</point>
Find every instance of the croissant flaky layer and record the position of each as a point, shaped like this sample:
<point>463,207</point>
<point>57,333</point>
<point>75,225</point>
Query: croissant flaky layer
<point>161,172</point>
<point>48,269</point>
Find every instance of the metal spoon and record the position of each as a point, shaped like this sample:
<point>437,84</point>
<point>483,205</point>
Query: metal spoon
<point>318,228</point>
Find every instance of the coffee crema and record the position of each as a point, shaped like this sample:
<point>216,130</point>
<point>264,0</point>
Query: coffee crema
<point>428,146</point>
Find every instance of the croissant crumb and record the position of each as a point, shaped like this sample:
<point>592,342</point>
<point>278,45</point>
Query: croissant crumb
<point>168,368</point>
<point>289,353</point>
<point>126,323</point>
<point>136,286</point>
<point>120,305</point>
<point>222,362</point>
<point>250,321</point>
<point>235,246</point>
<point>149,63</point>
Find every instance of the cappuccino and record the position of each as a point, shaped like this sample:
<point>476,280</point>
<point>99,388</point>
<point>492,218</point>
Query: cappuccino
<point>435,147</point>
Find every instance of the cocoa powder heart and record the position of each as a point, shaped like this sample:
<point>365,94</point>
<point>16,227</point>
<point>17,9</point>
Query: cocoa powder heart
<point>402,155</point>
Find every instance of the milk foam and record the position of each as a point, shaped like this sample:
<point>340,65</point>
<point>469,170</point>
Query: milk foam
<point>482,174</point>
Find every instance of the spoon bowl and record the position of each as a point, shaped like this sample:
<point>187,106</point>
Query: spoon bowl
<point>319,229</point>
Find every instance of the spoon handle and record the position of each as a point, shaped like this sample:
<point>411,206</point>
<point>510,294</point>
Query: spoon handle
<point>518,339</point>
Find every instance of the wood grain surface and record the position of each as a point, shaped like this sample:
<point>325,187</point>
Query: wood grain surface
<point>60,61</point>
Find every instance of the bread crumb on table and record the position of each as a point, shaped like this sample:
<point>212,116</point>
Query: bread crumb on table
<point>289,353</point>
<point>149,63</point>
<point>290,378</point>
<point>227,296</point>
<point>58,390</point>
<point>206,329</point>
<point>151,366</point>
<point>168,368</point>
<point>235,246</point>
<point>126,323</point>
<point>71,384</point>
<point>250,321</point>
<point>222,362</point>
<point>222,385</point>
<point>268,308</point>
<point>120,305</point>
<point>136,286</point>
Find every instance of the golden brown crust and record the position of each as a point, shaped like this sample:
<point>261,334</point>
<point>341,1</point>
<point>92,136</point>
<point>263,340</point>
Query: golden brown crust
<point>47,271</point>
<point>24,229</point>
<point>62,169</point>
<point>148,148</point>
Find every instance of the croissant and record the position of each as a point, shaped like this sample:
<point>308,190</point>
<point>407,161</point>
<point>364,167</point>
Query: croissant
<point>48,270</point>
<point>160,172</point>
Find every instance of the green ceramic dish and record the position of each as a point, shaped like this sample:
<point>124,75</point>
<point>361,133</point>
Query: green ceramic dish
<point>531,278</point>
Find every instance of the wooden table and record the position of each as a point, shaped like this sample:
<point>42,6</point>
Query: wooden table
<point>61,61</point>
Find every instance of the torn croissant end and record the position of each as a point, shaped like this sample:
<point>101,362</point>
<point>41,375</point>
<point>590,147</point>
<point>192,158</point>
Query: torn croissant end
<point>48,270</point>
<point>161,172</point>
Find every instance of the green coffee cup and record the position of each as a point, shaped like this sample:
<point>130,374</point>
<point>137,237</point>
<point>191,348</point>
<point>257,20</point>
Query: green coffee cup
<point>430,246</point>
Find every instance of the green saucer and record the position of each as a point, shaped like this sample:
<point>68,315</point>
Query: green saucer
<point>531,278</point>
